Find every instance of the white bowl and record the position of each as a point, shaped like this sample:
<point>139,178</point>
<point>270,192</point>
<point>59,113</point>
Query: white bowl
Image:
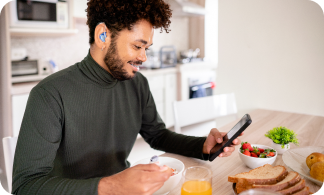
<point>174,180</point>
<point>254,162</point>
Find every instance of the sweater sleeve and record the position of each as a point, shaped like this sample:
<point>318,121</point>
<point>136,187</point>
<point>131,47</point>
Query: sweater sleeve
<point>154,132</point>
<point>39,138</point>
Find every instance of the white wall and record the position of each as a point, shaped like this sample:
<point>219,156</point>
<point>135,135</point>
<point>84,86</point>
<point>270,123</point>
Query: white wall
<point>271,54</point>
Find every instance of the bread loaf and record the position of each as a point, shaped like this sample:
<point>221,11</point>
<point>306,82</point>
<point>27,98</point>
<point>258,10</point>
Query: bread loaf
<point>273,178</point>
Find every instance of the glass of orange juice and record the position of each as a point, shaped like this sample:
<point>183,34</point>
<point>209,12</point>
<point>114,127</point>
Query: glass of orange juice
<point>196,181</point>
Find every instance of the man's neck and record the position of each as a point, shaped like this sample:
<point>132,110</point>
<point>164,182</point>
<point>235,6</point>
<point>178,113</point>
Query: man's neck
<point>98,56</point>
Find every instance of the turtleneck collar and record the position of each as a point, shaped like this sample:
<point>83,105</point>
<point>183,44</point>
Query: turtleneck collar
<point>91,69</point>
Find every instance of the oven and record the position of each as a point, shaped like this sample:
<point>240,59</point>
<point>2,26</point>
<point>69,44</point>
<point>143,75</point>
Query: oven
<point>196,81</point>
<point>201,89</point>
<point>201,85</point>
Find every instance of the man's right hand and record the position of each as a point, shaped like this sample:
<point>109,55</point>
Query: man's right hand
<point>140,179</point>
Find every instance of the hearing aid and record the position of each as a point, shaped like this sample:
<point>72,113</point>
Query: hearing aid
<point>103,35</point>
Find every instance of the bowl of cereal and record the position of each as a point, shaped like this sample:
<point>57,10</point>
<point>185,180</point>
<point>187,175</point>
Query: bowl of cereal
<point>176,165</point>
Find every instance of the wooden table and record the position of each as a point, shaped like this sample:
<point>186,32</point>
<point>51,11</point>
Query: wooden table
<point>309,130</point>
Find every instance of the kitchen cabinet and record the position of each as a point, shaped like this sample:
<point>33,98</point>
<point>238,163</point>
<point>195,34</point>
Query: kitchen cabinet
<point>157,89</point>
<point>19,103</point>
<point>19,97</point>
<point>163,86</point>
<point>170,96</point>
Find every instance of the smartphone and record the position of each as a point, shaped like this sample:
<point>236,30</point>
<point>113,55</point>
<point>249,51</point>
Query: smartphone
<point>230,136</point>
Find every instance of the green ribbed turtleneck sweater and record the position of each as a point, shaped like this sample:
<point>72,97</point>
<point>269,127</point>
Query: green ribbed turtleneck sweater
<point>80,125</point>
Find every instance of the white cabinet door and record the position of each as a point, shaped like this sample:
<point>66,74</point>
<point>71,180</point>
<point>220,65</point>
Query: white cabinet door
<point>19,103</point>
<point>170,96</point>
<point>164,91</point>
<point>156,84</point>
<point>79,7</point>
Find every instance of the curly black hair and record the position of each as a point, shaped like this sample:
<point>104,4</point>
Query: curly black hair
<point>121,14</point>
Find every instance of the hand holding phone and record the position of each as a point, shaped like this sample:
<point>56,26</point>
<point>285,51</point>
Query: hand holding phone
<point>230,136</point>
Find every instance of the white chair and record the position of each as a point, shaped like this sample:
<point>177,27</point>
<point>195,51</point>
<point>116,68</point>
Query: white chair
<point>197,116</point>
<point>9,147</point>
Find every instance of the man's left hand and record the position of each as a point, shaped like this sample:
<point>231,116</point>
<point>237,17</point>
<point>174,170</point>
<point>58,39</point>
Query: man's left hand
<point>215,137</point>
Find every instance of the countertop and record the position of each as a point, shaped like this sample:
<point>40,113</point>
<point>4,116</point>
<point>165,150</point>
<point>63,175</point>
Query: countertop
<point>23,88</point>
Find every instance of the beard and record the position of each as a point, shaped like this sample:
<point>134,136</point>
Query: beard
<point>115,64</point>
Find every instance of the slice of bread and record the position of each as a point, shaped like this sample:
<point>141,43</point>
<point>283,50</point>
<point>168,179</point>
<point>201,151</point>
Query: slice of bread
<point>241,189</point>
<point>291,179</point>
<point>295,188</point>
<point>266,174</point>
<point>304,191</point>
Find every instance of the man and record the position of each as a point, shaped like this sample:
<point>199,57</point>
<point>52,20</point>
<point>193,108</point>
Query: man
<point>81,123</point>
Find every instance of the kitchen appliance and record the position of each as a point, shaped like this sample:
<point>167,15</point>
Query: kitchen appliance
<point>190,56</point>
<point>38,14</point>
<point>164,58</point>
<point>28,70</point>
<point>168,56</point>
<point>153,60</point>
<point>201,85</point>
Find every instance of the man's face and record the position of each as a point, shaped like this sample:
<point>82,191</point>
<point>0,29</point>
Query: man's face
<point>128,50</point>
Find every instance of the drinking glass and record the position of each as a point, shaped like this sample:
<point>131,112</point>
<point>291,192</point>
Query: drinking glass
<point>197,180</point>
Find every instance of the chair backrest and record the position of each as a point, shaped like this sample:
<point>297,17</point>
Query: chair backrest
<point>198,112</point>
<point>9,147</point>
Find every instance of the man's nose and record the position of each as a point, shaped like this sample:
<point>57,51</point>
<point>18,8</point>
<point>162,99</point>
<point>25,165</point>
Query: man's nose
<point>142,56</point>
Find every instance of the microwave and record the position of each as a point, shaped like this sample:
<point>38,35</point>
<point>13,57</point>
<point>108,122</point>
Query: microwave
<point>39,14</point>
<point>28,71</point>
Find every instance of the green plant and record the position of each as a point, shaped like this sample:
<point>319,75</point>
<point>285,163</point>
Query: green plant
<point>282,135</point>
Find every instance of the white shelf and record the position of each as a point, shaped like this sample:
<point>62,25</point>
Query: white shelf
<point>41,32</point>
<point>22,88</point>
<point>28,78</point>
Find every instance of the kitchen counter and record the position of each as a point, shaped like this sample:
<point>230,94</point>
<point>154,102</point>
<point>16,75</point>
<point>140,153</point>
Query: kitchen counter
<point>153,72</point>
<point>194,66</point>
<point>23,88</point>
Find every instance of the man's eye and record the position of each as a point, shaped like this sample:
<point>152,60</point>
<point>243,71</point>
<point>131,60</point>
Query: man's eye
<point>146,49</point>
<point>137,47</point>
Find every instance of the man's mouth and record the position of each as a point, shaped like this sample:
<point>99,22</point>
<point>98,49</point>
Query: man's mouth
<point>135,64</point>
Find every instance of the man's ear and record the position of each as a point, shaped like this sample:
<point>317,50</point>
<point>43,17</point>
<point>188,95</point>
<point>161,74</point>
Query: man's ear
<point>102,36</point>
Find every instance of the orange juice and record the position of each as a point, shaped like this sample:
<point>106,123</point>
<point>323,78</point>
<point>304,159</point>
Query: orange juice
<point>196,188</point>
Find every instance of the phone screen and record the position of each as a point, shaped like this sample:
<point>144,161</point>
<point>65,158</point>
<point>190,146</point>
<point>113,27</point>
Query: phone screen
<point>230,136</point>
